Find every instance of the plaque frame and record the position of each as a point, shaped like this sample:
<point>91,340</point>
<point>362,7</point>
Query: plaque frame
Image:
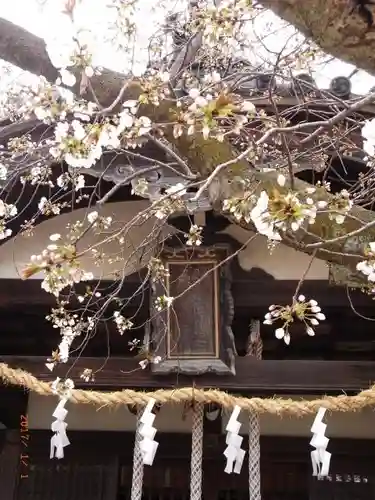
<point>221,358</point>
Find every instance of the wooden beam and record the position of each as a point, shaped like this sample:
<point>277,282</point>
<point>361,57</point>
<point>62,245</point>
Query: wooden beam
<point>247,292</point>
<point>28,293</point>
<point>261,377</point>
<point>261,293</point>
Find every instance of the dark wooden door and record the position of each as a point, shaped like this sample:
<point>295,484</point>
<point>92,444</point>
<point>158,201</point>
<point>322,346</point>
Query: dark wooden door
<point>69,481</point>
<point>9,463</point>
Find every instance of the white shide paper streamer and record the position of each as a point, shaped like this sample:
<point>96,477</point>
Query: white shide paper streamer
<point>233,452</point>
<point>148,445</point>
<point>320,457</point>
<point>59,440</point>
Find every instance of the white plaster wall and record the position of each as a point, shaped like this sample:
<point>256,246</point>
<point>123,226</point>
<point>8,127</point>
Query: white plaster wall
<point>283,263</point>
<point>171,418</point>
<point>356,425</point>
<point>15,253</point>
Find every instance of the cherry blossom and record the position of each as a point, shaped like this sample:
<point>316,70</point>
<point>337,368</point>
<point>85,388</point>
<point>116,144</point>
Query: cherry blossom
<point>122,323</point>
<point>163,302</point>
<point>368,133</point>
<point>307,311</point>
<point>367,267</point>
<point>194,238</point>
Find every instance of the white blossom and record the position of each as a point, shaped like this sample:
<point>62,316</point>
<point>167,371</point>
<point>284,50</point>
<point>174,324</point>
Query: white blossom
<point>7,210</point>
<point>368,133</point>
<point>248,107</point>
<point>301,309</point>
<point>89,72</point>
<point>367,267</point>
<point>61,51</point>
<point>67,78</point>
<point>145,125</point>
<point>143,363</point>
<point>200,101</point>
<point>310,331</point>
<point>5,233</point>
<point>178,189</point>
<point>3,172</point>
<point>163,302</point>
<point>262,220</point>
<point>122,323</point>
<point>213,77</point>
<point>281,180</point>
<point>126,120</point>
<point>92,217</point>
<point>42,202</point>
<point>55,237</point>
<point>79,182</point>
<point>194,93</point>
<point>194,238</point>
<point>79,131</point>
<point>281,333</point>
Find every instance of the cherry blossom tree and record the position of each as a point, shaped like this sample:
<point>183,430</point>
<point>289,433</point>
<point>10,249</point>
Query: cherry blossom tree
<point>192,111</point>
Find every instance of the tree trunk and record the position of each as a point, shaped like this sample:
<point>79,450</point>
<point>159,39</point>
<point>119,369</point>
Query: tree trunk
<point>333,25</point>
<point>28,52</point>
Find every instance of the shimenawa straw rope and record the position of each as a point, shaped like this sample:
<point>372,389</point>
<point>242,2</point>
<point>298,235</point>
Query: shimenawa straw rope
<point>275,406</point>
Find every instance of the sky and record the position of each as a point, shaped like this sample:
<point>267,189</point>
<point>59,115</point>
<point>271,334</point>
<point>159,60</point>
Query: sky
<point>44,18</point>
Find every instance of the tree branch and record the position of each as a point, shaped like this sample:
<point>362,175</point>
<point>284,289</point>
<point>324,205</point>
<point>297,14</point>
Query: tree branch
<point>28,52</point>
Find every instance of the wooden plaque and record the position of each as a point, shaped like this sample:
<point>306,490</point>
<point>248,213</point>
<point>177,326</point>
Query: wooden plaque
<point>193,335</point>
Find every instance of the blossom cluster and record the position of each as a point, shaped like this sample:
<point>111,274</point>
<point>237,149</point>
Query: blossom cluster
<point>367,267</point>
<point>7,211</point>
<point>194,237</point>
<point>163,302</point>
<point>307,311</point>
<point>170,203</point>
<point>152,359</point>
<point>80,144</point>
<point>62,388</point>
<point>278,211</point>
<point>209,108</point>
<point>122,323</point>
<point>87,375</point>
<point>60,266</point>
<point>222,23</point>
<point>70,325</point>
<point>158,271</point>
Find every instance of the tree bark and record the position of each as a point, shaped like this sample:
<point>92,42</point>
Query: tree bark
<point>333,25</point>
<point>28,52</point>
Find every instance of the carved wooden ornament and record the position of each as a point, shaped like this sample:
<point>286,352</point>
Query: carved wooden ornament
<point>194,335</point>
